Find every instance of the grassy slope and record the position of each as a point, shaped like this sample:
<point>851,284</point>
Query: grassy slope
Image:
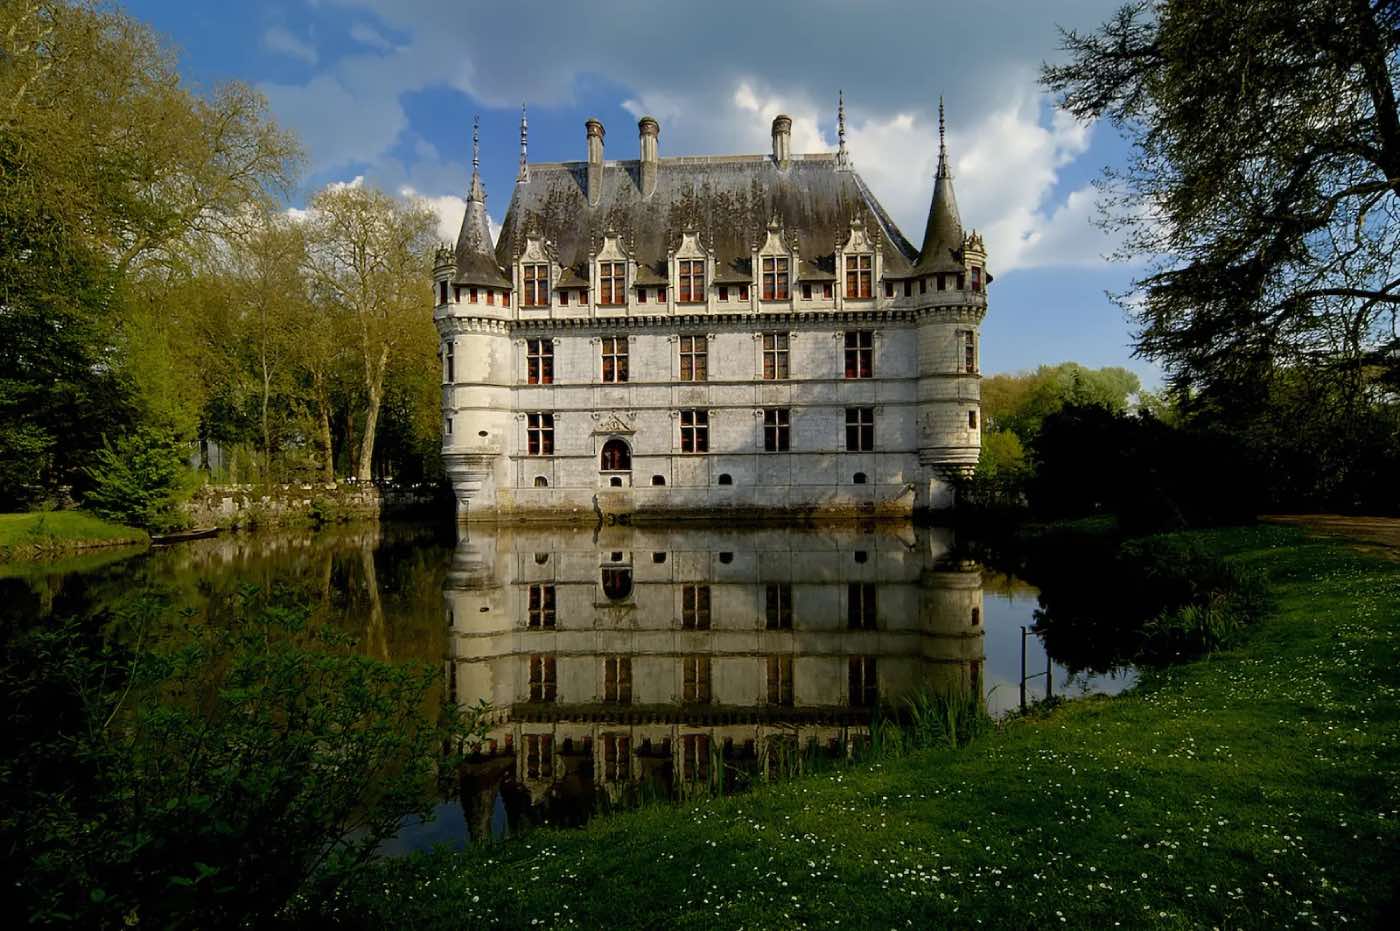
<point>46,532</point>
<point>1254,789</point>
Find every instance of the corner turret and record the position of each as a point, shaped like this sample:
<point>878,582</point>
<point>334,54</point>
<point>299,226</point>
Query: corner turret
<point>476,254</point>
<point>943,233</point>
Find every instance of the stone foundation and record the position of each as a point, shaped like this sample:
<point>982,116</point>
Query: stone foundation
<point>315,503</point>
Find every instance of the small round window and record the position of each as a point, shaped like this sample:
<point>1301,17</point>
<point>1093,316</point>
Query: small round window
<point>858,478</point>
<point>658,479</point>
<point>541,481</point>
<point>726,479</point>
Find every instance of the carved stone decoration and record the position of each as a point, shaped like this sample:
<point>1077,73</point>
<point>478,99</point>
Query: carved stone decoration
<point>613,424</point>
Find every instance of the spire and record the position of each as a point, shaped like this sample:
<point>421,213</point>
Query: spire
<point>524,174</point>
<point>943,234</point>
<point>476,260</point>
<point>843,158</point>
<point>476,192</point>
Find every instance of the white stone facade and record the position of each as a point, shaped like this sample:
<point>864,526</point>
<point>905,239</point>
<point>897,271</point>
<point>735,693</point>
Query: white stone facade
<point>913,320</point>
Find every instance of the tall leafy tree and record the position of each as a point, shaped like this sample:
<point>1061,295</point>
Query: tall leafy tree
<point>369,261</point>
<point>1263,187</point>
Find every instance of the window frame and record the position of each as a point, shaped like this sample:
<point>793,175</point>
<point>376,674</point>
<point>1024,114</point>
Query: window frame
<point>777,429</point>
<point>695,606</point>
<point>862,606</point>
<point>612,283</point>
<point>541,606</point>
<point>539,433</point>
<point>535,284</point>
<point>539,361</point>
<point>777,606</point>
<point>776,347</point>
<point>859,348</point>
<point>860,276</point>
<point>696,679</point>
<point>779,676</point>
<point>543,678</point>
<point>775,270</point>
<point>690,281</point>
<point>861,420</point>
<point>449,361</point>
<point>695,430</point>
<point>614,351</point>
<point>617,680</point>
<point>694,357</point>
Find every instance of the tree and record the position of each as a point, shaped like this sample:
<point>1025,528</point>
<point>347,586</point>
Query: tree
<point>1263,187</point>
<point>369,261</point>
<point>1020,402</point>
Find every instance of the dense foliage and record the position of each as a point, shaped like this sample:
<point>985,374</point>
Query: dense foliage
<point>150,280</point>
<point>1262,197</point>
<point>211,778</point>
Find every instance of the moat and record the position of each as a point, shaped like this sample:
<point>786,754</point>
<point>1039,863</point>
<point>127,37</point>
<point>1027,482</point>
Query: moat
<point>622,663</point>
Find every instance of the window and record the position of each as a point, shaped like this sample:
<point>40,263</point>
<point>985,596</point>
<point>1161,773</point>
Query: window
<point>695,679</point>
<point>442,292</point>
<point>889,289</point>
<point>776,429</point>
<point>908,289</point>
<point>858,271</point>
<point>863,692</point>
<point>691,279</point>
<point>661,295</point>
<point>976,616</point>
<point>777,605</point>
<point>541,558</point>
<point>695,607</point>
<point>806,291</point>
<point>542,678</point>
<point>972,420</point>
<point>447,426</point>
<point>541,481</point>
<point>536,293</point>
<point>775,279</point>
<point>541,612</point>
<point>724,292</point>
<point>695,431</point>
<point>612,278</point>
<point>539,756</point>
<point>695,758</point>
<point>617,680</point>
<point>860,354</point>
<point>473,297</point>
<point>617,757</point>
<point>616,457</point>
<point>539,434</point>
<point>860,429</point>
<point>490,296</point>
<point>726,479</point>
<point>726,558</point>
<point>449,360</point>
<point>641,295</point>
<point>976,278</point>
<point>658,479</point>
<point>826,290</point>
<point>780,680</point>
<point>775,356</point>
<point>695,355</point>
<point>962,281</point>
<point>923,285</point>
<point>860,606</point>
<point>968,339</point>
<point>743,292</point>
<point>614,359</point>
<point>617,582</point>
<point>564,299</point>
<point>658,558</point>
<point>858,479</point>
<point>539,361</point>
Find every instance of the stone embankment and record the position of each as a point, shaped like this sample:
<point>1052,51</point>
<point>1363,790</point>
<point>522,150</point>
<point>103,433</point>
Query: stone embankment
<point>308,503</point>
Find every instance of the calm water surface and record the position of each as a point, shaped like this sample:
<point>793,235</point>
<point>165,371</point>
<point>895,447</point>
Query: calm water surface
<point>623,663</point>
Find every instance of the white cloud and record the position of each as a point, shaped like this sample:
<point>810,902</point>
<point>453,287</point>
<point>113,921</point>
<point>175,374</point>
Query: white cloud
<point>281,40</point>
<point>449,210</point>
<point>365,34</point>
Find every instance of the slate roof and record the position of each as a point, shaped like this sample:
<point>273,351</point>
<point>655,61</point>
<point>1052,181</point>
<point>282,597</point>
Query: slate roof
<point>729,200</point>
<point>476,265</point>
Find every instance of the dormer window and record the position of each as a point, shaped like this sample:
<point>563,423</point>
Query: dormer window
<point>775,278</point>
<point>612,278</point>
<point>858,272</point>
<point>536,293</point>
<point>691,279</point>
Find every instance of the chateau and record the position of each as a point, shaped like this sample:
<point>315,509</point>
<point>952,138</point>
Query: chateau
<point>707,336</point>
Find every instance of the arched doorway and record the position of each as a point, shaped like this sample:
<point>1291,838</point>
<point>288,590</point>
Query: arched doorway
<point>617,457</point>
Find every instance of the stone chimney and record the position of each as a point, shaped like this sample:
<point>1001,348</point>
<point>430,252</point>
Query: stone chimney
<point>648,132</point>
<point>782,139</point>
<point>595,160</point>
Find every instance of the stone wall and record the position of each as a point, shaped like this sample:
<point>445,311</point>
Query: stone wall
<point>271,505</point>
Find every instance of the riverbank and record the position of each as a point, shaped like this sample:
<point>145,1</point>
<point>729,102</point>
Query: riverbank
<point>52,534</point>
<point>1256,788</point>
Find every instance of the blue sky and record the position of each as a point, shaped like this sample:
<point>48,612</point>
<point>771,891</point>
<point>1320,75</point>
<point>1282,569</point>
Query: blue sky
<point>386,90</point>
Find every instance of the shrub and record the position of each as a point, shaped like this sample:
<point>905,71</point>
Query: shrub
<point>140,480</point>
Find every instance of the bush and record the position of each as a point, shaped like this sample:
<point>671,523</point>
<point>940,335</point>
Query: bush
<point>140,480</point>
<point>211,782</point>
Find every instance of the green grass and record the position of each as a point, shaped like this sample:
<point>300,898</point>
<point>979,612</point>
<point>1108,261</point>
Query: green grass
<point>46,533</point>
<point>1257,788</point>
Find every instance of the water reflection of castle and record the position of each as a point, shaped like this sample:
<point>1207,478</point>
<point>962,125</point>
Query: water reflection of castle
<point>659,657</point>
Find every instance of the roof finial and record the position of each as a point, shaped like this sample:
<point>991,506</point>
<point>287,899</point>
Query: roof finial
<point>524,131</point>
<point>476,143</point>
<point>942,144</point>
<point>843,157</point>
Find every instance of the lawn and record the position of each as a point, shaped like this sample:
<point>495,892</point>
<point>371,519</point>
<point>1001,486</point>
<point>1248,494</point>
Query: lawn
<point>46,533</point>
<point>1257,788</point>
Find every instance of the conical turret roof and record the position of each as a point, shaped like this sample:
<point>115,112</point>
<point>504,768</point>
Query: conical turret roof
<point>476,255</point>
<point>943,234</point>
